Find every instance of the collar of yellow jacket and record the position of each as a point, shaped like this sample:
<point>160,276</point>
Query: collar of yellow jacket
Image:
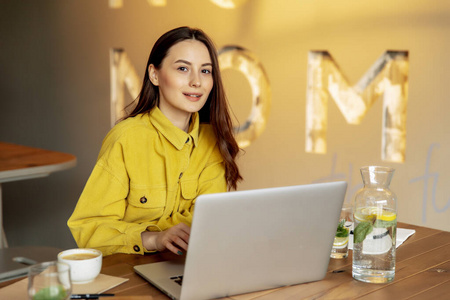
<point>173,134</point>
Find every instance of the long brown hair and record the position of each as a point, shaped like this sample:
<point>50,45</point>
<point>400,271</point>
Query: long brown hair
<point>215,111</point>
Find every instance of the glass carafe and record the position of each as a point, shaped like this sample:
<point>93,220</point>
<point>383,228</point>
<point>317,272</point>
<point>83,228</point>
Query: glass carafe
<point>375,227</point>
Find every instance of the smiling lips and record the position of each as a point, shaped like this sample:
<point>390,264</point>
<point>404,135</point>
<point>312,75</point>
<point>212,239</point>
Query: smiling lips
<point>193,96</point>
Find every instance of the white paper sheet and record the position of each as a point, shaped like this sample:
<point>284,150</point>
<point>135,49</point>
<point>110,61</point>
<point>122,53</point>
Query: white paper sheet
<point>402,235</point>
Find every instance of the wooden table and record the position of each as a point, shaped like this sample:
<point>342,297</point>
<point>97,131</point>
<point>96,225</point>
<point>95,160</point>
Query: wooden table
<point>422,272</point>
<point>21,162</point>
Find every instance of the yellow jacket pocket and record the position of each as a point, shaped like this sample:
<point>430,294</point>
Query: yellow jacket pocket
<point>145,204</point>
<point>189,189</point>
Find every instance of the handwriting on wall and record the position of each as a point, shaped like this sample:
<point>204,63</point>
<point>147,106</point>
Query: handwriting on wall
<point>386,79</point>
<point>334,176</point>
<point>429,179</point>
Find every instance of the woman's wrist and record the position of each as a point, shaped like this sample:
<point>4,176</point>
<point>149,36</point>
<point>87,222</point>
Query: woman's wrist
<point>149,240</point>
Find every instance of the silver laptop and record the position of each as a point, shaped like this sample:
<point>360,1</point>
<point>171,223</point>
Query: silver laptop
<point>246,241</point>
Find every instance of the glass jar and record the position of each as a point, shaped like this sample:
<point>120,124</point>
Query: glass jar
<point>375,227</point>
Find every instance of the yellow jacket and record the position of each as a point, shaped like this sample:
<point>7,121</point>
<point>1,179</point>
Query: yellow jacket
<point>147,177</point>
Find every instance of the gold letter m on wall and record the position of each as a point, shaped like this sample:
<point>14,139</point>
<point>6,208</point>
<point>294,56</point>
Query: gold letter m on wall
<point>387,79</point>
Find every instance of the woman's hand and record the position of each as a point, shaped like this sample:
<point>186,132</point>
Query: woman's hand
<point>174,239</point>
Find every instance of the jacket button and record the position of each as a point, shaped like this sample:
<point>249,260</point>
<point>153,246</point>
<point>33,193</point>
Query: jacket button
<point>143,200</point>
<point>136,248</point>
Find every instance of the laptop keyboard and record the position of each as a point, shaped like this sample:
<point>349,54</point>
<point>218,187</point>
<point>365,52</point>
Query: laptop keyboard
<point>178,279</point>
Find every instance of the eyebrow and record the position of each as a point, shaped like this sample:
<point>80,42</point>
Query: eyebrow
<point>189,63</point>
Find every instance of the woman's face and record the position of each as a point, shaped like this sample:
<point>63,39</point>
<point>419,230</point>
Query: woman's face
<point>184,79</point>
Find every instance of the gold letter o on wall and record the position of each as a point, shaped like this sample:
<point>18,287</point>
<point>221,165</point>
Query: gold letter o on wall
<point>242,60</point>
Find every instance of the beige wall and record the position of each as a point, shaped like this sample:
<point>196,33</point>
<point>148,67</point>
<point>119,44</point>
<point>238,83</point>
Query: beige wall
<point>55,93</point>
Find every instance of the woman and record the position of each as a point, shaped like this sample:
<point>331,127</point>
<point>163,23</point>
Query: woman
<point>176,144</point>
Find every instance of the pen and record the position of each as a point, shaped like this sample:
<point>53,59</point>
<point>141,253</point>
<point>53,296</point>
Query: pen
<point>89,296</point>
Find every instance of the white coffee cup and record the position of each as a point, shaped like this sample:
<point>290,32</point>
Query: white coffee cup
<point>85,264</point>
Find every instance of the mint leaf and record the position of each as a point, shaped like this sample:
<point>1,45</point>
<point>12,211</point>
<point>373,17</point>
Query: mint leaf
<point>341,230</point>
<point>384,224</point>
<point>361,231</point>
<point>343,233</point>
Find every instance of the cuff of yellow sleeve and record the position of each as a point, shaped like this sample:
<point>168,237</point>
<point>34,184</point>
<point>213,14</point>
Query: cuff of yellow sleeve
<point>134,242</point>
<point>153,228</point>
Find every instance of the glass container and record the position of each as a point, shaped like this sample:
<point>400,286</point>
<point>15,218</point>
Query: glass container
<point>375,227</point>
